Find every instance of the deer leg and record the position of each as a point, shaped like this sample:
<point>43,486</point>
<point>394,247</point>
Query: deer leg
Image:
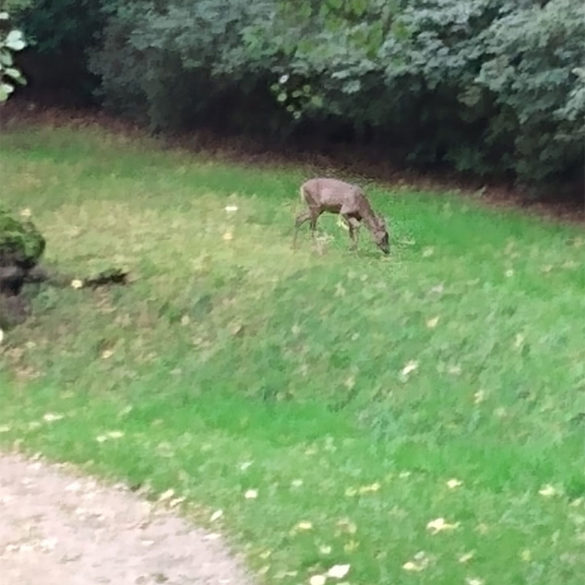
<point>299,221</point>
<point>351,234</point>
<point>353,226</point>
<point>356,228</point>
<point>314,216</point>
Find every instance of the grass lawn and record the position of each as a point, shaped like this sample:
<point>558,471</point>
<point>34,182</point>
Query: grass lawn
<point>357,397</point>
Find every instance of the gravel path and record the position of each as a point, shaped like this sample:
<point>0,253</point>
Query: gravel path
<point>59,528</point>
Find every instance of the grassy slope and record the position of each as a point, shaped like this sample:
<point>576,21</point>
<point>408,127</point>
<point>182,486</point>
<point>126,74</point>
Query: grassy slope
<point>237,365</point>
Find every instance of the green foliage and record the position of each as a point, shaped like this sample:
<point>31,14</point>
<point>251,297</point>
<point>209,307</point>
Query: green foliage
<point>533,73</point>
<point>347,389</point>
<point>15,5</point>
<point>21,243</point>
<point>61,26</point>
<point>490,87</point>
<point>61,32</point>
<point>180,64</point>
<point>11,40</point>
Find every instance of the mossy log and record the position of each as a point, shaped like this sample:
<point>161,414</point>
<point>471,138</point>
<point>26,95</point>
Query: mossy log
<point>21,248</point>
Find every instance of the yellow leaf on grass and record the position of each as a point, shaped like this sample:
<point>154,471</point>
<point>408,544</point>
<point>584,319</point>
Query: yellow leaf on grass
<point>440,525</point>
<point>432,323</point>
<point>338,571</point>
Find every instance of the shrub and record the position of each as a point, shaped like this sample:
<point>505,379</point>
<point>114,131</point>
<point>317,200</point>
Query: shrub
<point>61,33</point>
<point>489,87</point>
<point>21,244</point>
<point>534,78</point>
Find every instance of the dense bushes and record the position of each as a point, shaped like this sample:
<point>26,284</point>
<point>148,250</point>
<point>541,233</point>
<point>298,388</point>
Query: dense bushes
<point>491,87</point>
<point>61,33</point>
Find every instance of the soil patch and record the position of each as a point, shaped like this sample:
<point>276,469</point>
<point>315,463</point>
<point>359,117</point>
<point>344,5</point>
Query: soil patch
<point>60,528</point>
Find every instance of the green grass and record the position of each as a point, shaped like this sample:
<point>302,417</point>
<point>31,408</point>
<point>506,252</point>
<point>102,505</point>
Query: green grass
<point>238,365</point>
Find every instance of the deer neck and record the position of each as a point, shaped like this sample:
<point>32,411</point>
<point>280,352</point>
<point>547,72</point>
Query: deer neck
<point>369,218</point>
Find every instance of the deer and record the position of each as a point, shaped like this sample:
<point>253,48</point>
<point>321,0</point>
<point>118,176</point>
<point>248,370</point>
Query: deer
<point>347,200</point>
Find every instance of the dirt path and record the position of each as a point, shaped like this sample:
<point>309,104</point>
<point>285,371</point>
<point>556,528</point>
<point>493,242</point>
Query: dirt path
<point>59,528</point>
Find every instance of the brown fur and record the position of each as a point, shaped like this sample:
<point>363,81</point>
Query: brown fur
<point>349,201</point>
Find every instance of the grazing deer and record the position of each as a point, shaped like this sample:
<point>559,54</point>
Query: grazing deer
<point>347,200</point>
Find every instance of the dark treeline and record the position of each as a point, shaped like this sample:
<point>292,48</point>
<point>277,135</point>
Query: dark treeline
<point>490,88</point>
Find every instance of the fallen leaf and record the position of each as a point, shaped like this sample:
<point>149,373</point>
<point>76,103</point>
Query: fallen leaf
<point>410,566</point>
<point>76,283</point>
<point>115,434</point>
<point>166,495</point>
<point>410,367</point>
<point>479,397</point>
<point>236,329</point>
<point>466,557</point>
<point>548,491</point>
<point>454,483</point>
<point>317,580</point>
<point>349,382</point>
<point>419,563</point>
<point>432,323</point>
<point>439,525</point>
<point>338,571</point>
<point>374,487</point>
<point>52,417</point>
<point>251,494</point>
<point>216,515</point>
